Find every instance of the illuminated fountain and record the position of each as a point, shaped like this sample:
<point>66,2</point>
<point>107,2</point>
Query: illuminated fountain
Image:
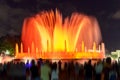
<point>46,35</point>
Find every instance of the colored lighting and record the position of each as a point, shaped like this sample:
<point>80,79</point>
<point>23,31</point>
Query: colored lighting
<point>46,35</point>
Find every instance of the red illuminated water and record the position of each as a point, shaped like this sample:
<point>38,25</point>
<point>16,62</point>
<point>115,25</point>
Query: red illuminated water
<point>48,34</point>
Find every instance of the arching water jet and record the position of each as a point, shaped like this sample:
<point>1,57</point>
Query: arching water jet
<point>53,36</point>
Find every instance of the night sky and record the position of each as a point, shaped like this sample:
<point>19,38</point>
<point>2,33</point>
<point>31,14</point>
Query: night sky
<point>107,12</point>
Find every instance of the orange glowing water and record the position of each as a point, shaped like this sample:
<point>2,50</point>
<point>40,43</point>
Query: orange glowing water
<point>47,32</point>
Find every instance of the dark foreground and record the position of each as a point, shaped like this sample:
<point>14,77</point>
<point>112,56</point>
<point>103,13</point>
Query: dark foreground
<point>68,70</point>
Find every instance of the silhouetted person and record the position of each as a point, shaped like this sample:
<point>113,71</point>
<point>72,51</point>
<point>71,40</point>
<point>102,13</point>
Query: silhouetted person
<point>34,71</point>
<point>106,69</point>
<point>59,65</point>
<point>88,71</point>
<point>28,74</point>
<point>45,71</point>
<point>71,71</point>
<point>63,73</point>
<point>54,72</point>
<point>113,75</point>
<point>77,68</point>
<point>98,70</point>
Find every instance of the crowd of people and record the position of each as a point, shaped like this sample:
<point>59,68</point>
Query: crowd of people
<point>105,69</point>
